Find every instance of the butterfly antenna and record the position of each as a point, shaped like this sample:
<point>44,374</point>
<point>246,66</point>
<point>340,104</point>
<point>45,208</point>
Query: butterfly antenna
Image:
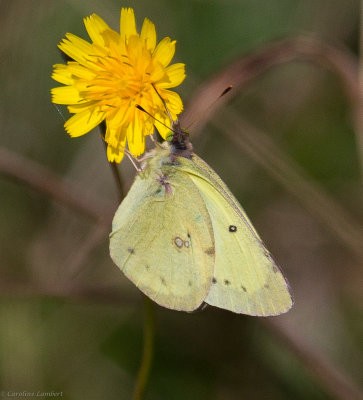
<point>153,117</point>
<point>164,103</point>
<point>131,158</point>
<point>225,91</point>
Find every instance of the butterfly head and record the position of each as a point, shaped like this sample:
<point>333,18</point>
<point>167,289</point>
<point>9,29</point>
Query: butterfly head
<point>180,143</point>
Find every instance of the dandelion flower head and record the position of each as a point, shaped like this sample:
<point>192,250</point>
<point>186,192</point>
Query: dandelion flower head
<point>106,79</point>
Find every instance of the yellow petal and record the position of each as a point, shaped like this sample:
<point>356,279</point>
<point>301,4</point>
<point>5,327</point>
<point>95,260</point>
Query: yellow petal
<point>164,51</point>
<point>79,71</point>
<point>66,95</point>
<point>174,76</point>
<point>136,137</point>
<point>117,117</point>
<point>83,122</point>
<point>148,34</point>
<point>173,101</point>
<point>62,74</point>
<point>115,135</point>
<point>134,48</point>
<point>157,72</point>
<point>116,140</point>
<point>77,108</point>
<point>127,24</point>
<point>95,26</point>
<point>76,48</point>
<point>112,41</point>
<point>164,131</point>
<point>114,155</point>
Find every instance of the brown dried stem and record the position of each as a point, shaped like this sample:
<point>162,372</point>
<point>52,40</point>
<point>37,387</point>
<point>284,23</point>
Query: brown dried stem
<point>64,192</point>
<point>339,60</point>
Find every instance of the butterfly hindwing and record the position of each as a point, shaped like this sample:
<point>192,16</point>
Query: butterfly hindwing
<point>246,279</point>
<point>162,239</point>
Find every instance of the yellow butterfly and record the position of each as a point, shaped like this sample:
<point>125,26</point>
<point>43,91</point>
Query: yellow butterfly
<point>184,240</point>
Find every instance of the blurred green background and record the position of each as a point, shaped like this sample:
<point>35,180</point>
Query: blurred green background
<point>71,322</point>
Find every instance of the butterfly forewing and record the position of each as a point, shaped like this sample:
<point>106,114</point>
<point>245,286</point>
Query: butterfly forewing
<point>246,279</point>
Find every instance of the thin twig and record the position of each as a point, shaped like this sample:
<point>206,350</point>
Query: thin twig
<point>67,193</point>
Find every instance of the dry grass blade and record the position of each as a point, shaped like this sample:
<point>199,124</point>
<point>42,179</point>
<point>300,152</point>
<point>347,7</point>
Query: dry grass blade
<point>337,384</point>
<point>340,60</point>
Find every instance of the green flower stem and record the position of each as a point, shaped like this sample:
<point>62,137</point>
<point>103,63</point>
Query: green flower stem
<point>149,318</point>
<point>149,333</point>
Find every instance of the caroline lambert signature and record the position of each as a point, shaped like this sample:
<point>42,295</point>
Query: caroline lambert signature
<point>25,393</point>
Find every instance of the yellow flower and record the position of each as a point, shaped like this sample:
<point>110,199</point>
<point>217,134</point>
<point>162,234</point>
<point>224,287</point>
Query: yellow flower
<point>109,77</point>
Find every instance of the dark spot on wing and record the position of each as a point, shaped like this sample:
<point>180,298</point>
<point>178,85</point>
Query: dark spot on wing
<point>163,281</point>
<point>131,250</point>
<point>275,269</point>
<point>190,283</point>
<point>227,282</point>
<point>243,288</point>
<point>158,191</point>
<point>188,234</point>
<point>147,267</point>
<point>266,286</point>
<point>214,280</point>
<point>210,251</point>
<point>232,228</point>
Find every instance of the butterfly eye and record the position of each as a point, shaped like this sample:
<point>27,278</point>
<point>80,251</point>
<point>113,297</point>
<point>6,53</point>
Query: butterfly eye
<point>232,228</point>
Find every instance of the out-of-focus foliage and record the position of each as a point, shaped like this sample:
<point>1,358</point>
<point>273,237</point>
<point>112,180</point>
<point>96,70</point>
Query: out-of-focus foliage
<point>89,348</point>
